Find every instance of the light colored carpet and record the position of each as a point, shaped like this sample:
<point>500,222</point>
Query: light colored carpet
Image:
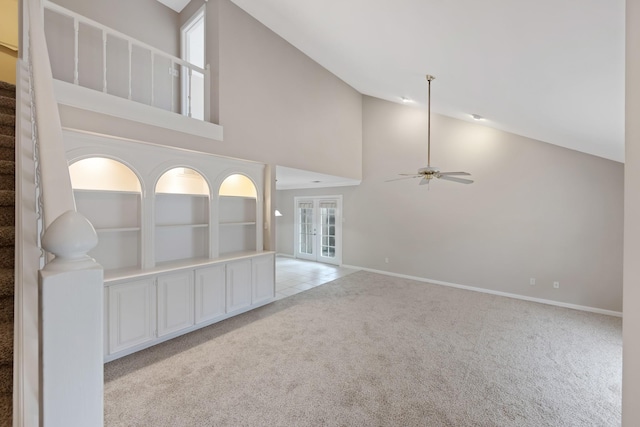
<point>371,350</point>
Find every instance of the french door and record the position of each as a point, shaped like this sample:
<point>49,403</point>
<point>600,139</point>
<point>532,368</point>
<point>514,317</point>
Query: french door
<point>318,227</point>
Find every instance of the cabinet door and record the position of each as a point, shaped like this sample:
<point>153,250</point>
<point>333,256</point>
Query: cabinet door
<point>175,302</point>
<point>210,293</point>
<point>131,314</point>
<point>263,286</point>
<point>238,285</point>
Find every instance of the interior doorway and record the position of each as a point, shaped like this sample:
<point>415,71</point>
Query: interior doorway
<point>318,229</point>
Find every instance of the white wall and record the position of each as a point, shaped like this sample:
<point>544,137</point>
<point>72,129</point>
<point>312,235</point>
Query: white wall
<point>535,210</point>
<point>631,322</point>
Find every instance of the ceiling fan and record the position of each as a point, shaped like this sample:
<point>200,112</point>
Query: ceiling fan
<point>429,172</point>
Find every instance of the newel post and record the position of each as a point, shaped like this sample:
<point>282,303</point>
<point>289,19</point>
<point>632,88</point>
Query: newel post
<point>71,326</point>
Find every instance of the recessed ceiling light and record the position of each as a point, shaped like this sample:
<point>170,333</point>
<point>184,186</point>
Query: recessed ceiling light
<point>316,182</point>
<point>405,100</point>
<point>477,117</point>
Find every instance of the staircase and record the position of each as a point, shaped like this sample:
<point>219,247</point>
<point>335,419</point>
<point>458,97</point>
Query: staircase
<point>7,247</point>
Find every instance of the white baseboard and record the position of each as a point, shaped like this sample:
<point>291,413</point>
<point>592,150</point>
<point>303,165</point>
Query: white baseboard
<point>489,291</point>
<point>284,255</point>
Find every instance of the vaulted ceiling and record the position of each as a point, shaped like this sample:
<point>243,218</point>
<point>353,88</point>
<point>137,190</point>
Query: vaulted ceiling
<point>551,70</point>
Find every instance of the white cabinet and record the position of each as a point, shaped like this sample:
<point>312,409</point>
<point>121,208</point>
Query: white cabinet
<point>238,285</point>
<point>263,279</point>
<point>210,292</point>
<point>175,302</point>
<point>132,313</point>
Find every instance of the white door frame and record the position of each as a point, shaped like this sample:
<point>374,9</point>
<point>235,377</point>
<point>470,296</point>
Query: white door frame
<point>317,243</point>
<point>184,76</point>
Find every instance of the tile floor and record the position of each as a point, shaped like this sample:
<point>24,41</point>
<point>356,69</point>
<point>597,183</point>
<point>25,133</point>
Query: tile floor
<point>296,275</point>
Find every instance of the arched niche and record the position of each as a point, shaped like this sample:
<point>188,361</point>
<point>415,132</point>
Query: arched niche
<point>181,216</point>
<point>238,185</point>
<point>109,193</point>
<point>182,181</point>
<point>102,173</point>
<point>237,215</point>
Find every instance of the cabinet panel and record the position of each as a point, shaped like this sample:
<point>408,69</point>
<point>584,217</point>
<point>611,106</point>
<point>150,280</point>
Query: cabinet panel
<point>175,302</point>
<point>131,314</point>
<point>263,278</point>
<point>210,293</point>
<point>238,285</point>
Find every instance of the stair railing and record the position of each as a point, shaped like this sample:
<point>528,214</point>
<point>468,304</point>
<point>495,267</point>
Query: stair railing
<point>196,104</point>
<point>71,284</point>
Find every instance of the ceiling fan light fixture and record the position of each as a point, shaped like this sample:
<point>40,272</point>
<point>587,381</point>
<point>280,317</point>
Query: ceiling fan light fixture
<point>429,172</point>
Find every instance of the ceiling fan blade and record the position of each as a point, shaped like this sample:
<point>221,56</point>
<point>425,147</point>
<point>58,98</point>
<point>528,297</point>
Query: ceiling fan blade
<point>455,173</point>
<point>404,177</point>
<point>460,180</point>
<point>424,181</point>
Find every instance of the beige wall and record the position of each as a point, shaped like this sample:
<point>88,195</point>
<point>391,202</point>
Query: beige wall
<point>631,322</point>
<point>278,106</point>
<point>535,210</point>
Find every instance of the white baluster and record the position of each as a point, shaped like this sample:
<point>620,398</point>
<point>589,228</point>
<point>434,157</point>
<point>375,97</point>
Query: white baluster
<point>189,92</point>
<point>172,89</point>
<point>130,66</point>
<point>104,61</point>
<point>76,29</point>
<point>152,79</point>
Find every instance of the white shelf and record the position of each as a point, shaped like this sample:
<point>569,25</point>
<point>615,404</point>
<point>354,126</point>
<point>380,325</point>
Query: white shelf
<point>182,195</point>
<point>232,223</point>
<point>237,197</point>
<point>182,225</point>
<point>84,190</point>
<point>116,229</point>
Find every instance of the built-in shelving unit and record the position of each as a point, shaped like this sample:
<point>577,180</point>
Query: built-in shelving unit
<point>182,247</point>
<point>108,193</point>
<point>181,216</point>
<point>237,212</point>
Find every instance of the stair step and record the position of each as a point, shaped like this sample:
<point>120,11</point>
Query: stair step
<point>7,282</point>
<point>7,147</point>
<point>6,309</point>
<point>6,407</point>
<point>7,175</point>
<point>7,124</point>
<point>6,342</point>
<point>7,167</point>
<point>6,377</point>
<point>7,89</point>
<point>7,236</point>
<point>7,105</point>
<point>7,253</point>
<point>7,197</point>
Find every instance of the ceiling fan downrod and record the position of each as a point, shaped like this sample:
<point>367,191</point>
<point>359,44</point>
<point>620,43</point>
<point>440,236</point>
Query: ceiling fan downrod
<point>429,79</point>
